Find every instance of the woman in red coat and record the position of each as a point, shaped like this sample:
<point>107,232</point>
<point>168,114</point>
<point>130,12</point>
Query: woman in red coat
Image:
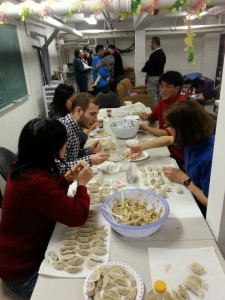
<point>35,198</point>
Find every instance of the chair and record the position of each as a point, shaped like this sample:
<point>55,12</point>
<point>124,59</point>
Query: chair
<point>142,89</point>
<point>108,99</point>
<point>143,98</point>
<point>7,158</point>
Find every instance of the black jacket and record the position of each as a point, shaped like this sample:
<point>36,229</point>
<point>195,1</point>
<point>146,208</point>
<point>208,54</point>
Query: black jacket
<point>155,65</point>
<point>118,67</point>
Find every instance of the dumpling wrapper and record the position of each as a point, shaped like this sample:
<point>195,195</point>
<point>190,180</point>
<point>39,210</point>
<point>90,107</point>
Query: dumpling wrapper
<point>72,269</point>
<point>193,286</point>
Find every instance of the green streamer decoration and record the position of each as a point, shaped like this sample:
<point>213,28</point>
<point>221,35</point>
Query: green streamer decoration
<point>24,13</point>
<point>134,5</point>
<point>177,5</point>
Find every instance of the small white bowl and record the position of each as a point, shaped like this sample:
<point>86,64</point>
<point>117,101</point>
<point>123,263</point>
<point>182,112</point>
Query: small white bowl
<point>132,142</point>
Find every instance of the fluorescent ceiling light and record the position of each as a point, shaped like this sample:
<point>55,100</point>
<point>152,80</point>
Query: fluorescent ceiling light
<point>91,20</point>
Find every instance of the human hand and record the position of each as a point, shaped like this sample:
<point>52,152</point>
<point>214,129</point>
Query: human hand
<point>95,125</point>
<point>99,158</point>
<point>73,173</point>
<point>143,126</point>
<point>84,175</point>
<point>143,116</point>
<point>135,149</point>
<point>175,175</point>
<point>96,147</point>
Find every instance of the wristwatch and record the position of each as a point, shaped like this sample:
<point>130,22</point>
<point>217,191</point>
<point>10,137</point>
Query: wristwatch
<point>187,182</point>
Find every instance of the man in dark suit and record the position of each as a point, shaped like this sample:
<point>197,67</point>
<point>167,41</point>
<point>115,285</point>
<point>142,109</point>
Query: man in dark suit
<point>154,68</point>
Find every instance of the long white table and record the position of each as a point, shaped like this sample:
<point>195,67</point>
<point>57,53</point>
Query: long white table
<point>175,233</point>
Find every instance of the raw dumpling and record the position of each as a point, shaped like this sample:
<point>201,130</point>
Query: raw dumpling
<point>111,294</point>
<point>198,279</point>
<point>179,191</point>
<point>76,261</point>
<point>85,246</point>
<point>182,291</point>
<point>82,239</point>
<point>88,224</point>
<point>121,281</point>
<point>176,295</point>
<point>132,295</point>
<point>67,257</point>
<point>115,272</point>
<point>131,280</point>
<point>193,286</point>
<point>99,250</point>
<point>96,258</point>
<point>72,269</point>
<point>53,255</point>
<point>90,264</point>
<point>58,265</point>
<point>146,182</point>
<point>86,229</point>
<point>95,275</point>
<point>69,242</point>
<point>97,242</point>
<point>167,188</point>
<point>90,289</point>
<point>197,268</point>
<point>83,252</point>
<point>67,250</point>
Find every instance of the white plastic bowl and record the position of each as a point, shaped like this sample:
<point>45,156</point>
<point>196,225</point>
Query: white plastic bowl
<point>132,142</point>
<point>125,129</point>
<point>137,231</point>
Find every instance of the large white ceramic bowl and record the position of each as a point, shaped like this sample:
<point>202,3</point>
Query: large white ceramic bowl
<point>125,129</point>
<point>137,231</point>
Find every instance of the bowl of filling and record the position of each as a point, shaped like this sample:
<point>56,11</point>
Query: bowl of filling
<point>125,129</point>
<point>136,212</point>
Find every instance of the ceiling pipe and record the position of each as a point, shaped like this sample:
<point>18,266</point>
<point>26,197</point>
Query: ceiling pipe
<point>60,8</point>
<point>56,25</point>
<point>172,28</point>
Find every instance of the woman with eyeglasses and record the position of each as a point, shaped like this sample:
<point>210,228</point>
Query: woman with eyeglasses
<point>35,198</point>
<point>192,129</point>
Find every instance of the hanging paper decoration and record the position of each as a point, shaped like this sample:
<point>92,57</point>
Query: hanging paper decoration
<point>135,6</point>
<point>46,10</point>
<point>99,6</point>
<point>199,7</point>
<point>189,41</point>
<point>24,12</point>
<point>75,6</point>
<point>177,5</point>
<point>135,9</point>
<point>150,8</point>
<point>2,14</point>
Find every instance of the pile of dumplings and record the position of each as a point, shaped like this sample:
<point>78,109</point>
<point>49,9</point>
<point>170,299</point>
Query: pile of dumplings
<point>107,144</point>
<point>193,283</point>
<point>155,181</point>
<point>82,247</point>
<point>112,282</point>
<point>99,190</point>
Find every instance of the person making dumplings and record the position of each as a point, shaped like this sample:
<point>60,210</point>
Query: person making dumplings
<point>35,198</point>
<point>192,129</point>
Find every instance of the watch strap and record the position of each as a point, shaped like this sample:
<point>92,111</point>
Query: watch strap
<point>187,182</point>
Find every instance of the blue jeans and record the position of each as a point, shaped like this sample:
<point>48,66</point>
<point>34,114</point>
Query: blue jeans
<point>23,287</point>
